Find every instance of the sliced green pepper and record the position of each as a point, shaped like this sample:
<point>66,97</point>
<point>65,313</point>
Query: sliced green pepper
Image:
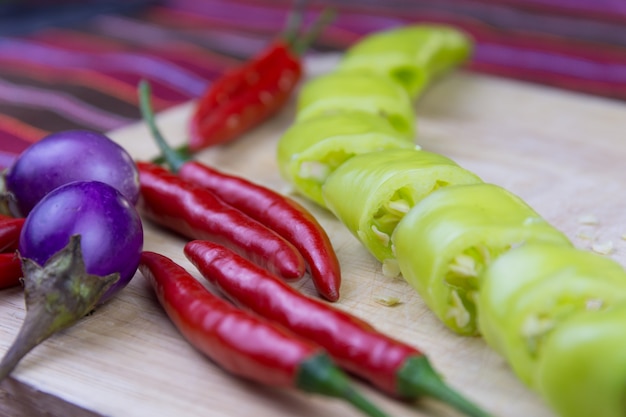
<point>310,150</point>
<point>411,55</point>
<point>370,193</point>
<point>445,242</point>
<point>582,370</point>
<point>337,92</point>
<point>528,291</point>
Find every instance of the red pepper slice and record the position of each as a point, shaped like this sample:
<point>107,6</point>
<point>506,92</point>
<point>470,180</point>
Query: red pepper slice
<point>244,344</point>
<point>393,366</point>
<point>244,98</point>
<point>249,95</point>
<point>197,213</point>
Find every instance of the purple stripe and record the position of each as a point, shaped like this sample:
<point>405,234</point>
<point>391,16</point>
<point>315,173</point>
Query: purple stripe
<point>245,15</point>
<point>599,6</point>
<point>190,84</point>
<point>236,43</point>
<point>62,104</point>
<point>560,64</point>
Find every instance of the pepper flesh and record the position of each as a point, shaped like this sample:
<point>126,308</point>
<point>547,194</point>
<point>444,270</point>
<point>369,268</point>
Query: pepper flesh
<point>244,344</point>
<point>337,92</point>
<point>457,231</point>
<point>281,214</point>
<point>371,192</point>
<point>198,214</point>
<point>412,55</point>
<point>395,367</point>
<point>310,150</point>
<point>526,293</point>
<point>583,363</point>
<point>230,109</point>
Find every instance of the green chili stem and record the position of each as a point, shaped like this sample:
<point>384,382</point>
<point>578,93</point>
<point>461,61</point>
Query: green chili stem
<point>173,157</point>
<point>300,45</point>
<point>418,378</point>
<point>294,22</point>
<point>319,375</point>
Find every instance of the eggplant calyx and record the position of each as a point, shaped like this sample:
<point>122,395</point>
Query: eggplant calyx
<point>56,295</point>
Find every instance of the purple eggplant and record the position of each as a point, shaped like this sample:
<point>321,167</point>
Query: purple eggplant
<point>67,156</point>
<point>79,246</point>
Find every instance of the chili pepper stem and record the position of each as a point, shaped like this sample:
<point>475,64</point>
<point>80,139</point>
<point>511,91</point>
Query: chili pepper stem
<point>174,158</point>
<point>418,378</point>
<point>57,295</point>
<point>299,46</point>
<point>319,375</point>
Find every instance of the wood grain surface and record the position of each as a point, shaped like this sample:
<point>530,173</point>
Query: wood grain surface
<point>563,153</point>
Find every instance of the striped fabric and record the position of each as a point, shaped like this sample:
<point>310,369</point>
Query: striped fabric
<point>77,65</point>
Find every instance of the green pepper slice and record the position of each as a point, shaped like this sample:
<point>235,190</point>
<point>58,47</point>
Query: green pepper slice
<point>582,370</point>
<point>310,150</point>
<point>370,193</point>
<point>371,93</point>
<point>528,291</point>
<point>411,55</point>
<point>445,242</point>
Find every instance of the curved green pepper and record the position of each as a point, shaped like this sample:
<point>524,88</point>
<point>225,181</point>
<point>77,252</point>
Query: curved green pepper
<point>337,92</point>
<point>444,243</point>
<point>370,193</point>
<point>528,291</point>
<point>582,370</point>
<point>310,150</point>
<point>411,55</point>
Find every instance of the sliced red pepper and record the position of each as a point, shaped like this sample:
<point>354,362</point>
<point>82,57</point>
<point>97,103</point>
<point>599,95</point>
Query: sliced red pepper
<point>395,367</point>
<point>10,270</point>
<point>252,93</point>
<point>241,112</point>
<point>245,344</point>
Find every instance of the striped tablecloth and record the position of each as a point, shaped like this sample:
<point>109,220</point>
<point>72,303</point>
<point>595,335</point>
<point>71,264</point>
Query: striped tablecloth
<point>76,64</point>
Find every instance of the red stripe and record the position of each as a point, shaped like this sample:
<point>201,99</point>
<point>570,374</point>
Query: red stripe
<point>20,131</point>
<point>109,85</point>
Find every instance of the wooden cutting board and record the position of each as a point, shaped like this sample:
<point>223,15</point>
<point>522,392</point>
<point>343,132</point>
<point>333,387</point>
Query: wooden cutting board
<point>564,153</point>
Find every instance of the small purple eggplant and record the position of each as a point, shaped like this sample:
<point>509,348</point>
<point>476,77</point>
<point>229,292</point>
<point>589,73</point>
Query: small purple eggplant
<point>79,246</point>
<point>63,157</point>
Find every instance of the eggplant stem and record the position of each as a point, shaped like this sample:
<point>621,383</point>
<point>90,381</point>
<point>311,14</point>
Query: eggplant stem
<point>57,295</point>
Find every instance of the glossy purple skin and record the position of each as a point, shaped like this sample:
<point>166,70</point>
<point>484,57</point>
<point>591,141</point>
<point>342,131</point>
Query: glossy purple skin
<point>110,229</point>
<point>63,157</point>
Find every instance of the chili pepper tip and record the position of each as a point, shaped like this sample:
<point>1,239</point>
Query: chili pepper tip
<point>319,375</point>
<point>418,378</point>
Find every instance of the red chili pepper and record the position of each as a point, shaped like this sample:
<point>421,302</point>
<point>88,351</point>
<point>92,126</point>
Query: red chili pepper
<point>279,213</point>
<point>251,94</point>
<point>244,344</point>
<point>197,213</point>
<point>391,365</point>
<point>10,229</point>
<point>10,270</point>
<point>224,113</point>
